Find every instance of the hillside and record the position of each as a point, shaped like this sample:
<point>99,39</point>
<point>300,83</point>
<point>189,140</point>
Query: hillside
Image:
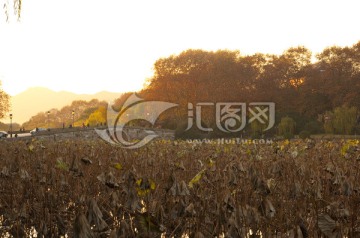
<point>38,99</point>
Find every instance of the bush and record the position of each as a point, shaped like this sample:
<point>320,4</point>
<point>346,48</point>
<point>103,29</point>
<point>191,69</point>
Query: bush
<point>287,127</point>
<point>257,129</point>
<point>304,135</point>
<point>343,120</point>
<point>288,135</point>
<point>314,127</point>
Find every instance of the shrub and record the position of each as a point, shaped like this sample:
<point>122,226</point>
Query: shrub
<point>257,129</point>
<point>288,135</point>
<point>304,135</point>
<point>343,120</point>
<point>287,127</point>
<point>314,127</point>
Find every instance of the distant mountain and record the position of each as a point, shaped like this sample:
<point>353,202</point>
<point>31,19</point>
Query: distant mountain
<point>38,99</point>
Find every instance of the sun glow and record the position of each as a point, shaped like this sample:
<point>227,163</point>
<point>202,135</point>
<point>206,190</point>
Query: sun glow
<point>87,46</point>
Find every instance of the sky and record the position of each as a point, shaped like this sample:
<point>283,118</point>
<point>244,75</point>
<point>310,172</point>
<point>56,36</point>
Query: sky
<point>87,46</point>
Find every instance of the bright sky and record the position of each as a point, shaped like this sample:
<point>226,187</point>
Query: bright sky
<point>86,46</point>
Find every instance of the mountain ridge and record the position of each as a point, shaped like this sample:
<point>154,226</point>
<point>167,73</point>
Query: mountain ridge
<point>28,103</point>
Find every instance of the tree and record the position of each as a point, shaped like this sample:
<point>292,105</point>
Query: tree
<point>299,88</point>
<point>4,103</point>
<point>197,76</point>
<point>6,126</point>
<point>16,6</point>
<point>98,116</point>
<point>287,127</point>
<point>58,118</point>
<point>281,77</point>
<point>340,74</point>
<point>342,120</point>
<point>117,106</point>
<point>257,129</point>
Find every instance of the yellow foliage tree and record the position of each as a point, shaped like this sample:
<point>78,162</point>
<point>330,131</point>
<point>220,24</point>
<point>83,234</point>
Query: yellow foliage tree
<point>97,117</point>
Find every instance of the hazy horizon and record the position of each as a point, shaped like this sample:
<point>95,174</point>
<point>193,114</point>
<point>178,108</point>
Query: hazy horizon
<point>62,90</point>
<point>40,99</point>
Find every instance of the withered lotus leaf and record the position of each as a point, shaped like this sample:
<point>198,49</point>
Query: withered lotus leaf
<point>78,187</point>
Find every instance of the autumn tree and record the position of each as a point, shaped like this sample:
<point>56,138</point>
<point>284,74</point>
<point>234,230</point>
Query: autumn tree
<point>287,127</point>
<point>5,126</point>
<point>257,129</point>
<point>97,117</point>
<point>280,77</point>
<point>343,120</point>
<point>299,87</point>
<point>121,100</point>
<point>4,103</point>
<point>57,118</point>
<point>16,7</point>
<point>196,76</point>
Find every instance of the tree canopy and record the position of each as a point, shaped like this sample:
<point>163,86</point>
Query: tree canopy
<point>4,103</point>
<point>301,88</point>
<point>16,9</point>
<point>90,112</point>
